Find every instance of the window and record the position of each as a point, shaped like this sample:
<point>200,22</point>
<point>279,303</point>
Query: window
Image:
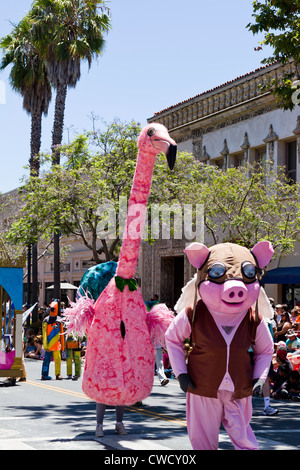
<point>238,161</point>
<point>260,156</point>
<point>220,163</point>
<point>291,161</point>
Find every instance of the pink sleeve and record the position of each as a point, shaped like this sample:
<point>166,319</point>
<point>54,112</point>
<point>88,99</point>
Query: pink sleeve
<point>263,350</point>
<point>177,333</point>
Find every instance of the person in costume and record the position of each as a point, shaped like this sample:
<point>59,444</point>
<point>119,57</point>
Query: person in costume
<point>120,353</point>
<point>222,323</point>
<point>53,341</point>
<point>93,282</point>
<point>159,363</point>
<point>122,335</point>
<point>73,353</point>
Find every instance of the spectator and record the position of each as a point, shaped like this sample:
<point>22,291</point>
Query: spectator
<point>278,391</point>
<point>159,365</point>
<point>293,385</point>
<point>292,342</point>
<point>283,326</point>
<point>29,332</point>
<point>277,313</point>
<point>294,314</point>
<point>160,370</point>
<point>167,365</point>
<point>282,359</point>
<point>38,349</point>
<point>29,346</point>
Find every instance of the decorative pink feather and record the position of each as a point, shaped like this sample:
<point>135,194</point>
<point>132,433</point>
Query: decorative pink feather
<point>80,315</point>
<point>158,321</point>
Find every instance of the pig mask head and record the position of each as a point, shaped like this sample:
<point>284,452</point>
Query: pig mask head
<point>228,276</point>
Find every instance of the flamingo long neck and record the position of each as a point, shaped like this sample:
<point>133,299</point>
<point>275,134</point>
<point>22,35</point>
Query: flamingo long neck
<point>137,209</point>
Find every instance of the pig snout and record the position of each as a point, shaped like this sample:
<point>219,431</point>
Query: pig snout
<point>234,292</point>
<point>229,297</point>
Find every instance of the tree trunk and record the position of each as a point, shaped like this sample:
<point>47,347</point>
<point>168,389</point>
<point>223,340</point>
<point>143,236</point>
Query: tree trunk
<point>28,304</point>
<point>35,143</point>
<point>57,135</point>
<point>56,255</point>
<point>35,283</point>
<point>34,162</point>
<point>58,125</point>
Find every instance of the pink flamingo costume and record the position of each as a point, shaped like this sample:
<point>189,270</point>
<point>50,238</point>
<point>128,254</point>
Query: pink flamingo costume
<point>119,365</point>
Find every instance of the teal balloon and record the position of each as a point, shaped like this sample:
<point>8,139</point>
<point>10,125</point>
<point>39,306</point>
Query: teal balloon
<point>96,278</point>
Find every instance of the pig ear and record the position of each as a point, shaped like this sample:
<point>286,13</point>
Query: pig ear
<point>197,254</point>
<point>263,252</point>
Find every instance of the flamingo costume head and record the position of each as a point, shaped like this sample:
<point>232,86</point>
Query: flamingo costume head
<point>119,364</point>
<point>155,139</point>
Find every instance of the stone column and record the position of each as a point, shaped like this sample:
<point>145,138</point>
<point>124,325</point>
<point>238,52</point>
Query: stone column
<point>272,148</point>
<point>225,153</point>
<point>245,146</point>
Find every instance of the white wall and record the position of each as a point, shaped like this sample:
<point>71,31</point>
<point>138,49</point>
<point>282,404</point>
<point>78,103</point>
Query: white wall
<point>257,128</point>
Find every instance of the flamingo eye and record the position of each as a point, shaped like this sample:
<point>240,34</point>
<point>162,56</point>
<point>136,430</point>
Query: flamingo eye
<point>151,131</point>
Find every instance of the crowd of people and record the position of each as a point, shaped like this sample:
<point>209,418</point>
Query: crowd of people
<point>284,375</point>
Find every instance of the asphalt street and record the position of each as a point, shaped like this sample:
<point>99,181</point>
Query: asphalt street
<point>57,415</point>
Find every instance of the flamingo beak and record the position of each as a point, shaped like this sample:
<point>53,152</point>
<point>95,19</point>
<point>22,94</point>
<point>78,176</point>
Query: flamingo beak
<point>171,155</point>
<point>163,142</point>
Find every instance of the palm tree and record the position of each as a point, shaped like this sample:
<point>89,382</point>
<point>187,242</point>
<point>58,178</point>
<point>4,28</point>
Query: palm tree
<point>66,32</point>
<point>28,76</point>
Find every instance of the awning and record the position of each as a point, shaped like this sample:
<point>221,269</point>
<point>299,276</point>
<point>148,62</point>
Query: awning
<point>282,276</point>
<point>64,286</point>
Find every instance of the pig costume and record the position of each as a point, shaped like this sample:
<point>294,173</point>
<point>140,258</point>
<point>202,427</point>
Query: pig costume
<point>223,324</point>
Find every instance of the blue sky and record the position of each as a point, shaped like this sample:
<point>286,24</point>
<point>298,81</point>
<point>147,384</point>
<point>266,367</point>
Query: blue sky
<point>157,54</point>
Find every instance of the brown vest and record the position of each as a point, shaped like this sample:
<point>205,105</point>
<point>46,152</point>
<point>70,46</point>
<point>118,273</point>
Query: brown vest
<point>207,360</point>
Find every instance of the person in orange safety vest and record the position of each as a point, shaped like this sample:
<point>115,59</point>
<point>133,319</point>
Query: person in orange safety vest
<point>53,341</point>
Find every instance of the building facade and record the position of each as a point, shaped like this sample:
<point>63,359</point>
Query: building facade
<point>228,126</point>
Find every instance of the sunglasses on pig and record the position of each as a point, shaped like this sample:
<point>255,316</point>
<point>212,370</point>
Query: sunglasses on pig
<point>218,270</point>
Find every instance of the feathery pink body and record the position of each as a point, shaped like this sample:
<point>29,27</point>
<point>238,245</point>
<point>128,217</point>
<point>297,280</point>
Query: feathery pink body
<point>119,369</point>
<point>158,320</point>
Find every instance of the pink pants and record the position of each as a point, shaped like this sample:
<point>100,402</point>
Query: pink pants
<point>205,415</point>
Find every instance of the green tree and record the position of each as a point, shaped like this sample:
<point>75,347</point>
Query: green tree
<point>279,20</point>
<point>247,204</point>
<point>100,168</point>
<point>241,205</point>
